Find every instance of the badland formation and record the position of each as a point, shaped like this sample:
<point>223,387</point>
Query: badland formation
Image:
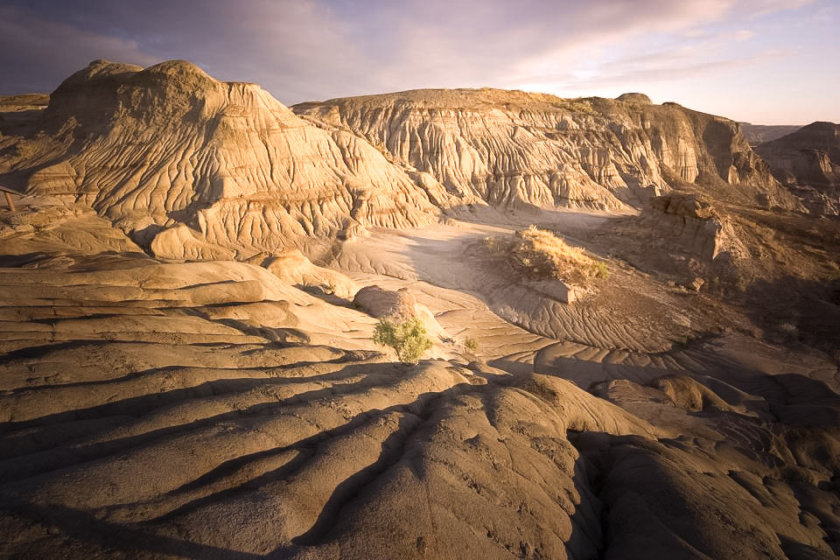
<point>427,324</point>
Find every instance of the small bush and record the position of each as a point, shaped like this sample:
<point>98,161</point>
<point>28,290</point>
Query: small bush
<point>601,270</point>
<point>471,344</point>
<point>408,339</point>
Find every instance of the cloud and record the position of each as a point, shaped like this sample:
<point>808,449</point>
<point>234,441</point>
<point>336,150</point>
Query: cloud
<point>295,48</point>
<point>315,49</point>
<point>35,53</point>
<point>309,49</point>
<point>758,8</point>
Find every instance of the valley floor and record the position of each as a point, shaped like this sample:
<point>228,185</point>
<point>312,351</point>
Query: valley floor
<point>211,410</point>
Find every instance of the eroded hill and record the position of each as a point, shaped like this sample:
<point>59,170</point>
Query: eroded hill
<point>758,133</point>
<point>517,147</point>
<point>200,169</point>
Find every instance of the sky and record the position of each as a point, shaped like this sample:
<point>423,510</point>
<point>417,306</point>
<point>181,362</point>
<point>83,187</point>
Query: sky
<point>760,61</point>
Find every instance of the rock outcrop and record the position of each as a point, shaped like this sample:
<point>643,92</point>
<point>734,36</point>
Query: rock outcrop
<point>695,225</point>
<point>690,240</point>
<point>808,162</point>
<point>386,304</point>
<point>518,148</point>
<point>295,269</point>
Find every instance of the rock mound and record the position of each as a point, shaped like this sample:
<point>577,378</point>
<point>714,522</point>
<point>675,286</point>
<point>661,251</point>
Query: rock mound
<point>542,261</point>
<point>688,206</point>
<point>639,98</point>
<point>694,242</point>
<point>696,226</point>
<point>201,169</point>
<point>295,269</point>
<point>386,304</point>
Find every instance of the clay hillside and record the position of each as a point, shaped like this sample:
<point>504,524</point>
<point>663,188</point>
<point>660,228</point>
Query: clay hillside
<point>427,324</point>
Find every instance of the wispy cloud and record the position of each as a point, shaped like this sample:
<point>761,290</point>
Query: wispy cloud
<point>315,49</point>
<point>743,34</point>
<point>33,48</point>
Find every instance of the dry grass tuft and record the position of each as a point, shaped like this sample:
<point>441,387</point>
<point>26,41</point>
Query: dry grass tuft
<point>541,255</point>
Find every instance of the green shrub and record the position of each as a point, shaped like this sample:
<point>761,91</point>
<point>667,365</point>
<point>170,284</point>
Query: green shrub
<point>601,270</point>
<point>471,344</point>
<point>408,339</point>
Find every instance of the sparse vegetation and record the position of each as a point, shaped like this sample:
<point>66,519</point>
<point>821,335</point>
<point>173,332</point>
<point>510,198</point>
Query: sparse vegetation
<point>471,344</point>
<point>539,254</point>
<point>601,270</point>
<point>788,329</point>
<point>408,339</point>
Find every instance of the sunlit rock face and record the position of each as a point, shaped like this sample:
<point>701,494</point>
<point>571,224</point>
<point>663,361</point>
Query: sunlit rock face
<point>513,147</point>
<point>194,168</point>
<point>205,169</point>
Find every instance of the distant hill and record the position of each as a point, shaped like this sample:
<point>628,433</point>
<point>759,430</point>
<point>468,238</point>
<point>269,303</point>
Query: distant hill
<point>808,162</point>
<point>758,133</point>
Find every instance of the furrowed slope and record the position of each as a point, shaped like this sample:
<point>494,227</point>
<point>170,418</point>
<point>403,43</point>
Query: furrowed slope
<point>211,410</point>
<point>191,167</point>
<point>512,147</point>
<point>204,169</point>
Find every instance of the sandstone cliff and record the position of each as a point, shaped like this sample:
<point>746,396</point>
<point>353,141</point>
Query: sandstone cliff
<point>513,147</point>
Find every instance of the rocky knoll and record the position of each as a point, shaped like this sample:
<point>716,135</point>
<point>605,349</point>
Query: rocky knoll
<point>202,169</point>
<point>695,228</point>
<point>808,162</point>
<point>513,147</point>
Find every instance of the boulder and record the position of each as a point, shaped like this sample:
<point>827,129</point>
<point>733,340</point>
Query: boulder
<point>386,304</point>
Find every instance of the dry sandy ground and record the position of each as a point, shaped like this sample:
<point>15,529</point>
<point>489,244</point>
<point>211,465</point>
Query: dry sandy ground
<point>213,410</point>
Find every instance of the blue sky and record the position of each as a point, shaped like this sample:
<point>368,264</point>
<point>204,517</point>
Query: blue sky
<point>763,61</point>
